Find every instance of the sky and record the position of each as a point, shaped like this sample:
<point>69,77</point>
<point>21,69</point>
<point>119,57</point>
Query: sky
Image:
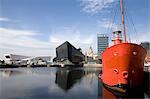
<point>37,27</point>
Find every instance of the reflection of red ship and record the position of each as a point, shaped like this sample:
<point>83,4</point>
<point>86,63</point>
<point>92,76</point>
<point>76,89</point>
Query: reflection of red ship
<point>110,94</point>
<point>107,94</point>
<point>123,62</point>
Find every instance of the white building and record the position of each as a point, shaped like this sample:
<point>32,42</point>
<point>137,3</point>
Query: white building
<point>40,60</point>
<point>26,60</point>
<point>13,59</point>
<point>90,56</point>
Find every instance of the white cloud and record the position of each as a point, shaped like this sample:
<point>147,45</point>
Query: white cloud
<point>95,6</point>
<point>13,32</point>
<point>74,36</point>
<point>105,23</point>
<point>20,38</point>
<point>134,37</point>
<point>2,19</point>
<point>25,42</point>
<point>140,37</point>
<point>89,40</point>
<point>65,34</point>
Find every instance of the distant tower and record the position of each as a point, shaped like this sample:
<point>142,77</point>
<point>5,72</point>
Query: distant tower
<point>90,52</point>
<point>102,43</point>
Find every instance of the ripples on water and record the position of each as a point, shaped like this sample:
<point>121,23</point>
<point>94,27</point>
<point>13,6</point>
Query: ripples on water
<point>53,83</point>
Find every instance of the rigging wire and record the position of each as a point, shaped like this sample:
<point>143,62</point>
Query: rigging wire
<point>127,23</point>
<point>129,29</point>
<point>128,26</point>
<point>128,18</point>
<point>133,25</point>
<point>111,23</point>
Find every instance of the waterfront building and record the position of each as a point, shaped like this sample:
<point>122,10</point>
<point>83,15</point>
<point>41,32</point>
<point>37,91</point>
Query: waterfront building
<point>13,59</point>
<point>146,45</point>
<point>67,54</point>
<point>91,57</point>
<point>39,60</point>
<point>102,43</point>
<point>90,52</point>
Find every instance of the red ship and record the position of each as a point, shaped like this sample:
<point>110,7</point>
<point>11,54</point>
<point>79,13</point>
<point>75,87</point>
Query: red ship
<point>123,63</point>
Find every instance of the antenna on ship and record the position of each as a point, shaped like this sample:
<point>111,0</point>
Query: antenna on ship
<point>123,20</point>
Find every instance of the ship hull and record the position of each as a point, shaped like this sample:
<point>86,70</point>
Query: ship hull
<point>123,64</point>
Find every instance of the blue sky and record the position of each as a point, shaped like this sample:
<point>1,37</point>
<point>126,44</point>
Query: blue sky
<point>37,27</point>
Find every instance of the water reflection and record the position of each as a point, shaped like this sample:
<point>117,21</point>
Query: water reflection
<point>137,93</point>
<point>147,83</point>
<point>66,78</point>
<point>8,73</point>
<point>62,83</point>
<point>37,83</point>
<point>107,93</point>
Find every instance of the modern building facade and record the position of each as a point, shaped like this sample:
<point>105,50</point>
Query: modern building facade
<point>102,43</point>
<point>13,59</point>
<point>146,45</point>
<point>67,54</point>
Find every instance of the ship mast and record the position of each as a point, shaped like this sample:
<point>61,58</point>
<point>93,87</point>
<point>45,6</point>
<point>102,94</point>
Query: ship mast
<point>123,20</point>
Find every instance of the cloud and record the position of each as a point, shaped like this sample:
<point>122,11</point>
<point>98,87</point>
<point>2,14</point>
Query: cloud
<point>22,38</point>
<point>74,36</point>
<point>95,6</point>
<point>24,42</point>
<point>140,37</point>
<point>105,23</point>
<point>2,19</point>
<point>65,34</point>
<point>145,36</point>
<point>70,34</point>
<point>13,32</point>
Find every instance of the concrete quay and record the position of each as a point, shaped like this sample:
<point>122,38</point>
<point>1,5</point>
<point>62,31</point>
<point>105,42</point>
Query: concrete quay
<point>92,65</point>
<point>147,69</point>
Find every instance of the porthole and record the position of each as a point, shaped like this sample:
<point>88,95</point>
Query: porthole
<point>134,53</point>
<point>116,71</point>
